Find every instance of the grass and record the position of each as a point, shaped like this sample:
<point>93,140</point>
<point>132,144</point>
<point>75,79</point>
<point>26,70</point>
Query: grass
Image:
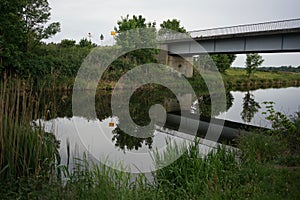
<point>26,151</point>
<point>218,176</point>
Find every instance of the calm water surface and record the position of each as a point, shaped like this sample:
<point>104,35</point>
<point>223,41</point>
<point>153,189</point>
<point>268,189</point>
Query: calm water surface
<point>103,139</point>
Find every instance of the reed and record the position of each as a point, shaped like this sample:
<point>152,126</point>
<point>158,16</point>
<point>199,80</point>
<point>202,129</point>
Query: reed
<point>25,149</point>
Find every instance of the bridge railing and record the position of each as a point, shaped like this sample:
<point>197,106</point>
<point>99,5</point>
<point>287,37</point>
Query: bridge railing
<point>235,30</point>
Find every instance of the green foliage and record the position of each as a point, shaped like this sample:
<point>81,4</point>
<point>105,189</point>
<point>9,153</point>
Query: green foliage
<point>23,26</point>
<point>67,43</point>
<point>86,43</point>
<point>223,61</point>
<point>36,13</point>
<point>173,24</point>
<point>12,37</point>
<point>253,60</point>
<point>281,124</point>
<point>280,69</point>
<point>287,130</point>
<point>135,33</point>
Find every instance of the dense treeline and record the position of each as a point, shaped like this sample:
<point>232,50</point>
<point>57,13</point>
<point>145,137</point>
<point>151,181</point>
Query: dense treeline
<point>280,69</point>
<point>23,52</point>
<point>55,60</point>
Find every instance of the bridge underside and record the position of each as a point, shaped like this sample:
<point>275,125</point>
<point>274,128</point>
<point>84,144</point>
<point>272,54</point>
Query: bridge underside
<point>273,43</point>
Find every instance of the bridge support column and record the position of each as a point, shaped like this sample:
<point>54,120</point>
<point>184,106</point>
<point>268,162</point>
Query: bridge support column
<point>184,65</point>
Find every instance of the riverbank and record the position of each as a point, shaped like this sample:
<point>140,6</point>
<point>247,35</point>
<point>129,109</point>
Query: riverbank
<point>233,79</point>
<point>237,79</point>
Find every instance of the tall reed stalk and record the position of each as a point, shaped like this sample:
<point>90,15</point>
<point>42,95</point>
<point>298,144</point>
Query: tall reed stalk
<point>25,149</point>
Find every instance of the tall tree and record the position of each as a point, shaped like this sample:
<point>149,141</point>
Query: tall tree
<point>36,13</point>
<point>11,34</point>
<point>173,24</point>
<point>135,33</point>
<point>23,26</point>
<point>253,60</point>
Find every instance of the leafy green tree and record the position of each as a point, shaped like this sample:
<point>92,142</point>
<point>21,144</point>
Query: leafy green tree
<point>223,61</point>
<point>173,24</point>
<point>85,43</point>
<point>12,37</point>
<point>135,33</point>
<point>36,14</point>
<point>23,26</point>
<point>253,60</point>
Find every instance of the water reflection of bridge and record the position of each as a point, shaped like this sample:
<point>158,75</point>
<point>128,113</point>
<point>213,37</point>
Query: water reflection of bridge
<point>191,117</point>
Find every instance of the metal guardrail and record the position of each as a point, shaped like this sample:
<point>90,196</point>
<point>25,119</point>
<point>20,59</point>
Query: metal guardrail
<point>235,30</point>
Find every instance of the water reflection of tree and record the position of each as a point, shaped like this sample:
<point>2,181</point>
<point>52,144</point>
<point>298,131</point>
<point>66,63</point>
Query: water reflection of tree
<point>250,107</point>
<point>205,105</point>
<point>139,106</point>
<point>125,141</point>
<point>55,104</point>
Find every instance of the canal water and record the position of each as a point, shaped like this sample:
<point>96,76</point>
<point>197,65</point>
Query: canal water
<point>103,139</point>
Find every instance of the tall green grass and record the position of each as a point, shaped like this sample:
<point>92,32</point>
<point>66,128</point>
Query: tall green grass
<point>25,149</point>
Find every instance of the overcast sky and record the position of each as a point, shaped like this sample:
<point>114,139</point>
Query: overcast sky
<point>79,17</point>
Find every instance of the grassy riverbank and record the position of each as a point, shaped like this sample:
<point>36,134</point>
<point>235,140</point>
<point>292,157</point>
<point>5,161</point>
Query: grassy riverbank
<point>237,78</point>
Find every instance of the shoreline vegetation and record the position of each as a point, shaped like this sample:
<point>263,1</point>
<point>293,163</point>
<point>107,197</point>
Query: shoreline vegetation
<point>268,165</point>
<point>233,79</point>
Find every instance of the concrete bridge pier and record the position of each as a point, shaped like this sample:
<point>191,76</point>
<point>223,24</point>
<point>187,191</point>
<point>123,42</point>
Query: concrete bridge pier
<point>184,65</point>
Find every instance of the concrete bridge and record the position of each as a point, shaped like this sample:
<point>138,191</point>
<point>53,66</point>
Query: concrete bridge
<point>268,37</point>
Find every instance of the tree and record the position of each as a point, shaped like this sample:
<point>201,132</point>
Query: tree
<point>36,14</point>
<point>173,24</point>
<point>11,34</point>
<point>85,43</point>
<point>23,26</point>
<point>223,61</point>
<point>253,60</point>
<point>135,33</point>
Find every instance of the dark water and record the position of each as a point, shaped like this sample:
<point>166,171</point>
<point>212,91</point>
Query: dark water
<point>104,140</point>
